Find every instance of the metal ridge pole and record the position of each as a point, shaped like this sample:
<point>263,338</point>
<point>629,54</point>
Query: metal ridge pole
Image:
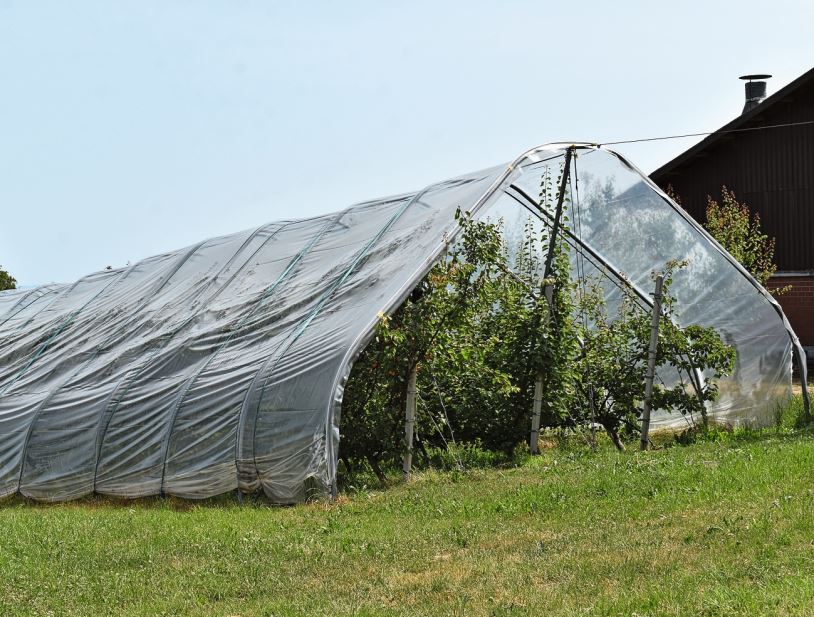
<point>558,212</point>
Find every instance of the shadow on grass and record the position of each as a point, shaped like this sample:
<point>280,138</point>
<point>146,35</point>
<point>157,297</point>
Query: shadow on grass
<point>154,502</point>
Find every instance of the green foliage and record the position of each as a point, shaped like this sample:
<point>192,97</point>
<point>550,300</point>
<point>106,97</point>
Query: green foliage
<point>483,325</point>
<point>6,280</point>
<point>469,456</point>
<point>790,417</point>
<point>469,328</point>
<point>613,362</point>
<point>559,335</point>
<point>793,414</point>
<point>479,330</point>
<point>739,232</point>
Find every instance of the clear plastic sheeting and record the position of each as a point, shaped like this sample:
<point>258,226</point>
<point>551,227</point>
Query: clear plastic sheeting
<point>221,366</point>
<point>625,228</point>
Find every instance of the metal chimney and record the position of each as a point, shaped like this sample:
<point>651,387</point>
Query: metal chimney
<point>755,90</point>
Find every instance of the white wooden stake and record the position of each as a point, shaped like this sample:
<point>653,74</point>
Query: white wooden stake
<point>535,419</point>
<point>409,423</point>
<point>537,404</point>
<point>651,364</point>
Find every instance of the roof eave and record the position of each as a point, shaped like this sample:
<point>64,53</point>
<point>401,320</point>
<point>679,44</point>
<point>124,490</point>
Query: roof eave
<point>739,122</point>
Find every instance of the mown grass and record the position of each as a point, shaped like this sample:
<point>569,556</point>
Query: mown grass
<point>724,526</point>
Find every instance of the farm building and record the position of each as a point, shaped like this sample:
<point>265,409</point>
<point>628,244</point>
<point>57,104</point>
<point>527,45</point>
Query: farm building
<point>221,366</point>
<point>772,171</point>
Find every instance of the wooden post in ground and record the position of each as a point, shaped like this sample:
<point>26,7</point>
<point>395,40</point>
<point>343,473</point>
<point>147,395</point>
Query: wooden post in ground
<point>537,408</point>
<point>651,364</point>
<point>537,404</point>
<point>409,423</point>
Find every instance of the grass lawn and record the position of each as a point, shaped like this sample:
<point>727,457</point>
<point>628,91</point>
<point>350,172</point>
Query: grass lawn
<point>715,528</point>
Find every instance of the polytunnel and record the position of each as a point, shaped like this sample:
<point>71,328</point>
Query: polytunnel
<point>221,366</point>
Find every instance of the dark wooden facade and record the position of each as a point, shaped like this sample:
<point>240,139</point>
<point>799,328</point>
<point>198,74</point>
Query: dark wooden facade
<point>772,171</point>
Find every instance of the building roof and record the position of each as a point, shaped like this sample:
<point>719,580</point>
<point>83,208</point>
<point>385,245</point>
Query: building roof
<point>744,121</point>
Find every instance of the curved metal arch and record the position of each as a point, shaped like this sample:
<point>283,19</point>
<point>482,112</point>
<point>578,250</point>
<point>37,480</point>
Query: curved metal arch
<point>532,156</point>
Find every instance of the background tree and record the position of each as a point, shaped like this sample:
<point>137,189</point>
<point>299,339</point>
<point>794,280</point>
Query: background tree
<point>739,231</point>
<point>6,280</point>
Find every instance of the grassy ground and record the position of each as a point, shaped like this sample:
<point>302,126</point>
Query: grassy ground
<point>720,527</point>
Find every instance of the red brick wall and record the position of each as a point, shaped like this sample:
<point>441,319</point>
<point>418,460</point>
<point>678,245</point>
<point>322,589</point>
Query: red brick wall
<point>798,304</point>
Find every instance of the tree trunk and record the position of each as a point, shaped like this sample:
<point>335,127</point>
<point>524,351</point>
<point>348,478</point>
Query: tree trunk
<point>422,449</point>
<point>614,435</point>
<point>374,465</point>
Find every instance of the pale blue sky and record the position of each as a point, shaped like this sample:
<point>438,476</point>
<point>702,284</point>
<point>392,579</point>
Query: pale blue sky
<point>130,128</point>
